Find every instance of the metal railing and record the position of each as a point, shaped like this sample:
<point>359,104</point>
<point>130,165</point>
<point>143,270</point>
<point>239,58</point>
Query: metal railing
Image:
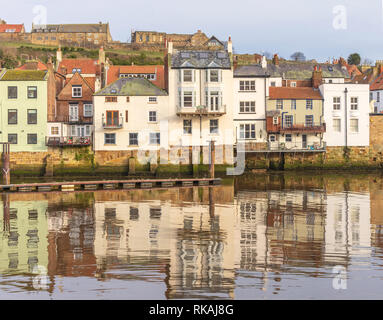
<point>68,141</point>
<point>74,120</point>
<point>202,110</point>
<point>112,123</point>
<point>298,127</point>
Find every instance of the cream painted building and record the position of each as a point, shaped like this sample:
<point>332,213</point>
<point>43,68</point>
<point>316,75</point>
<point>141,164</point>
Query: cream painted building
<point>129,114</point>
<point>251,89</point>
<point>201,101</point>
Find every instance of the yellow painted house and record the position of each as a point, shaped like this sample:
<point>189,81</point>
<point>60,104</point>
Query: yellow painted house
<point>294,118</point>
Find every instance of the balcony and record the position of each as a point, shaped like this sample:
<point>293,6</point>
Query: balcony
<point>112,123</point>
<point>297,128</point>
<point>74,119</point>
<point>201,111</point>
<point>68,141</point>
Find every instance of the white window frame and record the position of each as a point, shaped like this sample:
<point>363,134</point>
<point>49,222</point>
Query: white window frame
<point>152,100</point>
<point>183,75</point>
<point>247,85</point>
<point>247,107</point>
<point>154,138</point>
<point>77,95</point>
<point>187,128</point>
<point>337,128</point>
<point>86,112</point>
<point>247,131</point>
<point>354,103</point>
<point>352,128</point>
<point>336,103</point>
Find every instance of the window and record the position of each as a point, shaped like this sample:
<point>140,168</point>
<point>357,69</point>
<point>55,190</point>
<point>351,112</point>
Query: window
<point>371,96</point>
<point>12,92</point>
<point>336,124</point>
<point>187,75</point>
<point>280,104</point>
<point>247,107</point>
<point>133,139</point>
<point>354,103</point>
<point>188,99</point>
<point>293,84</point>
<point>187,126</point>
<point>247,131</point>
<point>112,118</point>
<point>12,116</point>
<point>32,92</point>
<point>247,85</point>
<point>12,138</point>
<point>272,84</point>
<point>32,138</point>
<point>110,99</point>
<point>88,110</point>
<point>378,97</point>
<point>73,131</point>
<point>110,138</point>
<point>288,138</point>
<point>214,75</point>
<point>54,130</point>
<point>215,100</point>
<point>87,131</point>
<point>214,126</point>
<point>76,92</point>
<point>126,116</point>
<point>309,104</point>
<point>336,103</point>
<point>32,116</point>
<point>272,139</point>
<point>152,116</point>
<point>152,99</point>
<point>354,125</point>
<point>288,121</point>
<point>293,104</point>
<point>154,138</point>
<point>127,99</point>
<point>74,70</point>
<point>275,120</point>
<point>309,121</point>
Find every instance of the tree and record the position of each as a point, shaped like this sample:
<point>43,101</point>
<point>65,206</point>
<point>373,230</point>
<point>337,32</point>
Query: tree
<point>298,56</point>
<point>354,59</point>
<point>367,62</point>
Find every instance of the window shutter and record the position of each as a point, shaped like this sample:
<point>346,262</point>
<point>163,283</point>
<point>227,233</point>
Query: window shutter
<point>180,98</point>
<point>126,116</point>
<point>180,75</point>
<point>194,99</point>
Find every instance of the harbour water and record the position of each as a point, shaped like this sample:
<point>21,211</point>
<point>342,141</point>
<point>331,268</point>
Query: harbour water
<point>269,236</point>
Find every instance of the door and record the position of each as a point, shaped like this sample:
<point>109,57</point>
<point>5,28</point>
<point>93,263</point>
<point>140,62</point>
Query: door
<point>273,142</point>
<point>112,118</point>
<point>214,101</point>
<point>304,141</point>
<point>73,112</point>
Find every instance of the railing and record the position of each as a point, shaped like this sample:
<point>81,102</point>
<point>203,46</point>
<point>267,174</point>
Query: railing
<point>68,141</point>
<point>202,110</point>
<point>112,123</point>
<point>275,146</point>
<point>74,120</point>
<point>298,127</point>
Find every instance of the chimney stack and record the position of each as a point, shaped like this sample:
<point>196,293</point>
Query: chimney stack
<point>59,56</point>
<point>317,78</point>
<point>101,55</point>
<point>276,60</point>
<point>170,47</point>
<point>229,46</point>
<point>264,62</point>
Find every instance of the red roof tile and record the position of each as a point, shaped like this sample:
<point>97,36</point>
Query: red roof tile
<point>115,71</point>
<point>294,93</point>
<point>87,66</point>
<point>16,27</point>
<point>33,65</point>
<point>377,84</point>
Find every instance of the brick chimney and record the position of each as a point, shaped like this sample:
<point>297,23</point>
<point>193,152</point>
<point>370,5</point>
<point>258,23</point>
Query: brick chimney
<point>230,46</point>
<point>276,60</point>
<point>235,62</point>
<point>317,78</point>
<point>101,55</point>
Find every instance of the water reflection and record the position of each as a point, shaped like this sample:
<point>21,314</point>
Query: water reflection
<point>261,239</point>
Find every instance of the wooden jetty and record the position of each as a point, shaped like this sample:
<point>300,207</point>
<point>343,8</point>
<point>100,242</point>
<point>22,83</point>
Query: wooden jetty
<point>108,185</point>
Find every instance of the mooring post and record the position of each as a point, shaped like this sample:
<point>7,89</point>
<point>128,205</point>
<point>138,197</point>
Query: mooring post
<point>6,212</point>
<point>5,160</point>
<point>212,158</point>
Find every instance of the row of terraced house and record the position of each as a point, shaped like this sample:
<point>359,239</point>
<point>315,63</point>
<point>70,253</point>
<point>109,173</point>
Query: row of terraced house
<point>197,96</point>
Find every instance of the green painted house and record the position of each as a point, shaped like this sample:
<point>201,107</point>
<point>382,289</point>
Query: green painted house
<point>24,103</point>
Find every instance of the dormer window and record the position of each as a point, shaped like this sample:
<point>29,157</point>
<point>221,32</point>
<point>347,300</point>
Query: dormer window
<point>76,92</point>
<point>74,70</point>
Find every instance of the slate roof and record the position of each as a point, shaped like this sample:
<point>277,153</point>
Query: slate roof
<point>72,28</point>
<point>292,70</point>
<point>131,87</point>
<point>254,70</point>
<point>24,75</point>
<point>300,93</point>
<point>201,59</point>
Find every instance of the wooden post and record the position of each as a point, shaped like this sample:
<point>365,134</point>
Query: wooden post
<point>212,158</point>
<point>6,168</point>
<point>6,212</point>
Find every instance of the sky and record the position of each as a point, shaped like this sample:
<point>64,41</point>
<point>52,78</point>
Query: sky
<point>320,29</point>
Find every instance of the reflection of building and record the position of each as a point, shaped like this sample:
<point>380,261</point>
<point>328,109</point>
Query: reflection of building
<point>23,240</point>
<point>348,228</point>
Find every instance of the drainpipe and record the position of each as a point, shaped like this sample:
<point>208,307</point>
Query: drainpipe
<point>345,113</point>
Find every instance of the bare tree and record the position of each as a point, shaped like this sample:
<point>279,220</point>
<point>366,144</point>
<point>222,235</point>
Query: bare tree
<point>298,56</point>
